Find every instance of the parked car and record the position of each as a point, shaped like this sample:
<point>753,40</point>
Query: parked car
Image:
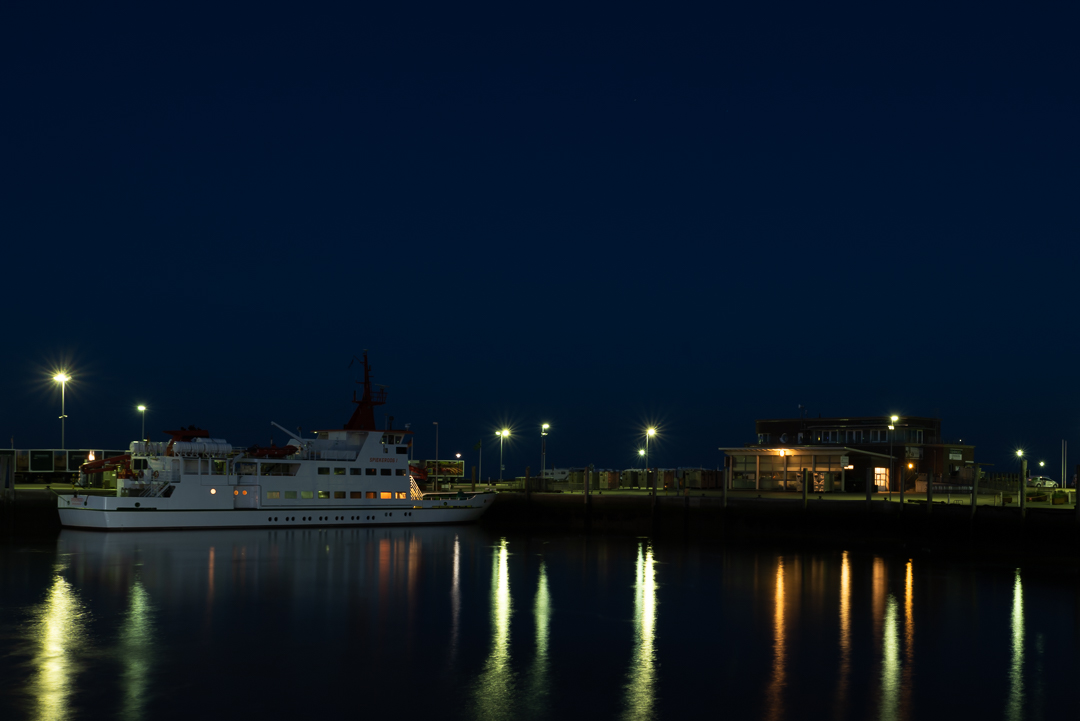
<point>1042,482</point>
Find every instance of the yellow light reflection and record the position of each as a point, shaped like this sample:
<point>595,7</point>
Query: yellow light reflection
<point>58,631</point>
<point>641,690</point>
<point>496,683</point>
<point>890,661</point>
<point>909,640</point>
<point>1014,708</point>
<point>845,636</point>
<point>136,651</point>
<point>775,693</point>
<point>538,678</point>
<point>455,598</point>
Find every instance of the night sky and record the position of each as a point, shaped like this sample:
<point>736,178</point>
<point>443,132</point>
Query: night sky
<point>598,216</point>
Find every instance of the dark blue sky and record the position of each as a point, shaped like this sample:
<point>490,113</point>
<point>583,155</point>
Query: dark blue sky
<point>595,217</point>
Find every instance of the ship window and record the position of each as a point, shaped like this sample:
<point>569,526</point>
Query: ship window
<point>324,471</point>
<point>306,494</point>
<point>246,469</point>
<point>399,471</point>
<point>384,471</point>
<point>402,449</point>
<point>290,494</point>
<point>273,494</point>
<point>386,494</point>
<point>354,471</point>
<point>401,496</point>
<point>369,471</point>
<point>324,494</point>
<point>339,494</point>
<point>339,471</point>
<point>218,468</point>
<point>355,494</point>
<point>280,469</point>
<point>371,494</point>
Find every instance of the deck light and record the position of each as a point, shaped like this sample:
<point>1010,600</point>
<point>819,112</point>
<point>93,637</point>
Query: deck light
<point>213,491</point>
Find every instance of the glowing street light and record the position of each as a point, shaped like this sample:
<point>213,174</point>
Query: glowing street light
<point>62,378</point>
<point>649,433</point>
<point>142,409</point>
<point>503,435</point>
<point>543,449</point>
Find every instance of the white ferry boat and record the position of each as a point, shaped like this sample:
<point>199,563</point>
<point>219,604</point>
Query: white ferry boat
<point>356,476</point>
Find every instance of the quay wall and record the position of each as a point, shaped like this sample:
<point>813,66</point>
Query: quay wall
<point>1043,534</point>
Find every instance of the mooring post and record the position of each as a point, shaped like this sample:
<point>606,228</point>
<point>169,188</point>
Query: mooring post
<point>869,485</point>
<point>474,479</point>
<point>974,489</point>
<point>929,492</point>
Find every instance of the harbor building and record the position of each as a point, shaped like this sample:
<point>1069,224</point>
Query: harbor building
<point>843,454</point>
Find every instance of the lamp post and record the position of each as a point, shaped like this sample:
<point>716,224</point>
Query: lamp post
<point>543,449</point>
<point>62,379</point>
<point>1023,481</point>
<point>142,409</point>
<point>503,435</point>
<point>641,454</point>
<point>649,433</point>
<point>892,427</point>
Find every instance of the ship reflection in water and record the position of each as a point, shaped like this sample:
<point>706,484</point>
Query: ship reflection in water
<point>455,623</point>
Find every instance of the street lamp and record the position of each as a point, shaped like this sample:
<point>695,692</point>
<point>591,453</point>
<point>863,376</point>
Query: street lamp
<point>543,449</point>
<point>62,378</point>
<point>892,427</point>
<point>649,433</point>
<point>142,409</point>
<point>503,435</point>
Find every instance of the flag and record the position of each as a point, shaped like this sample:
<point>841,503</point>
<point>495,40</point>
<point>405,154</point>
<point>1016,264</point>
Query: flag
<point>479,443</point>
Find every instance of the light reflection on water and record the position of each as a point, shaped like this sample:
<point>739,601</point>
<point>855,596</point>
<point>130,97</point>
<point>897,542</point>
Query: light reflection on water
<point>826,635</point>
<point>59,634</point>
<point>641,689</point>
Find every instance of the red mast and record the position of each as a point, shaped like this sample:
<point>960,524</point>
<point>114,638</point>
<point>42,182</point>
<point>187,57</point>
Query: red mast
<point>363,418</point>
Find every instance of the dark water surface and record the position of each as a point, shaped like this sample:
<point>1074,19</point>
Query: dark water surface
<point>459,623</point>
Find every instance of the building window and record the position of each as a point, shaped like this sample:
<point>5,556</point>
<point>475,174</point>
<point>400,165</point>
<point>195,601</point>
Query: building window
<point>384,471</point>
<point>386,494</point>
<point>830,436</point>
<point>762,438</point>
<point>339,494</point>
<point>881,479</point>
<point>853,436</point>
<point>369,471</point>
<point>879,435</point>
<point>339,471</point>
<point>324,471</point>
<point>324,494</point>
<point>801,436</point>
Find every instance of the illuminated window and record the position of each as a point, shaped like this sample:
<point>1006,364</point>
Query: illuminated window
<point>371,494</point>
<point>324,471</point>
<point>401,496</point>
<point>386,494</point>
<point>369,471</point>
<point>324,494</point>
<point>355,494</point>
<point>384,471</point>
<point>399,471</point>
<point>290,494</point>
<point>339,471</point>
<point>307,494</point>
<point>881,478</point>
<point>339,494</point>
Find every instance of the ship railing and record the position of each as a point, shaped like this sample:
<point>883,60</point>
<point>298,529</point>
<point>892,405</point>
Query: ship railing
<point>416,493</point>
